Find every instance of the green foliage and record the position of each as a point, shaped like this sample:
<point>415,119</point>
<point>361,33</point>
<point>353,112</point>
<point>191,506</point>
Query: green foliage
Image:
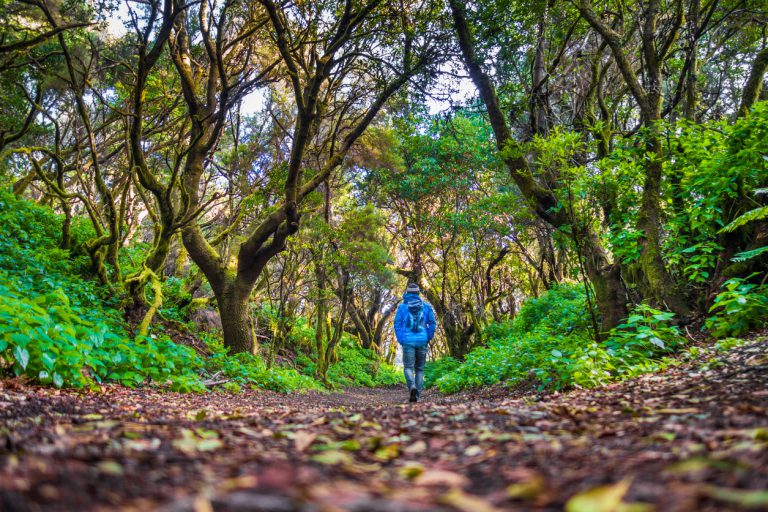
<point>549,343</point>
<point>47,338</point>
<point>741,306</point>
<point>750,216</point>
<point>359,367</point>
<point>439,367</point>
<point>59,328</point>
<point>33,262</point>
<point>356,366</point>
<point>561,310</point>
<point>702,258</point>
<point>250,370</point>
<point>715,170</point>
<point>646,332</point>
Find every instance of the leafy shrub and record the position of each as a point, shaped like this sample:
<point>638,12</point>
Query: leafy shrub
<point>356,366</point>
<point>437,368</point>
<point>646,332</point>
<point>47,338</point>
<point>739,307</point>
<point>560,310</point>
<point>554,362</point>
<point>251,370</point>
<point>550,343</point>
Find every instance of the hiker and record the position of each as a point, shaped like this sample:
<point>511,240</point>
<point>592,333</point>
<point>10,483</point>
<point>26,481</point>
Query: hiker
<point>414,328</point>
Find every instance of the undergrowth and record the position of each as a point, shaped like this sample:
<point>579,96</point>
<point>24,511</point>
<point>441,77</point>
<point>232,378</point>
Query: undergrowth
<point>551,344</point>
<point>59,327</point>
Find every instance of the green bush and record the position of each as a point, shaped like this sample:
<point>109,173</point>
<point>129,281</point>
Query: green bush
<point>741,306</point>
<point>647,332</point>
<point>561,310</point>
<point>356,366</point>
<point>48,339</point>
<point>251,370</point>
<point>550,343</point>
<point>554,362</point>
<point>437,368</point>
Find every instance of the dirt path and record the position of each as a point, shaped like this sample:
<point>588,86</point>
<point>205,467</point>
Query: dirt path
<point>690,439</point>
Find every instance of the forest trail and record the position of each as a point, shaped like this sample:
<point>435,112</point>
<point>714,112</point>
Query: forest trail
<point>692,438</point>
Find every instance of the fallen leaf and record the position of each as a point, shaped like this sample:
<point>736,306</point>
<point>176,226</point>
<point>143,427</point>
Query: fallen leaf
<point>332,457</point>
<point>387,453</point>
<point>741,497</point>
<point>459,500</point>
<point>697,464</point>
<point>411,470</point>
<point>605,498</point>
<point>436,477</point>
<point>201,441</point>
<point>303,440</point>
<point>417,447</point>
<point>528,489</point>
<point>110,467</point>
<point>142,445</point>
<point>473,450</point>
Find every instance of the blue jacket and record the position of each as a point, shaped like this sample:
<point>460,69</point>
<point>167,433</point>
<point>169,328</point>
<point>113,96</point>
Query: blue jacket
<point>404,335</point>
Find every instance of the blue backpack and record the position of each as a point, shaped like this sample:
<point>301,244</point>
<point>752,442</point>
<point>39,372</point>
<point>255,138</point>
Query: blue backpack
<point>417,321</point>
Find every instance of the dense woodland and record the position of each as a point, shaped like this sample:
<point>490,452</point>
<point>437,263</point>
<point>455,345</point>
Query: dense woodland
<point>236,193</point>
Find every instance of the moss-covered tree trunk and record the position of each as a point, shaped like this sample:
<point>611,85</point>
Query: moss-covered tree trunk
<point>233,300</point>
<point>658,285</point>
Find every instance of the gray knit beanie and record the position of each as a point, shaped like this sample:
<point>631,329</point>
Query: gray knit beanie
<point>412,288</point>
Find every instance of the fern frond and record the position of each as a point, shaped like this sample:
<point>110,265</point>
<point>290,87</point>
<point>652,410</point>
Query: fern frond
<point>752,215</point>
<point>748,255</point>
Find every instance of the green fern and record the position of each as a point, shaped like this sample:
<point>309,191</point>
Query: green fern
<point>752,215</point>
<point>748,255</point>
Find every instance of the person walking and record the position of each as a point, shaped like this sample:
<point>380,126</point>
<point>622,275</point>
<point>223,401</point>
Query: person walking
<point>414,328</point>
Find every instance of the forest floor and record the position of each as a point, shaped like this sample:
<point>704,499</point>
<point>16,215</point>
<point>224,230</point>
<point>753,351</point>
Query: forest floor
<point>692,438</point>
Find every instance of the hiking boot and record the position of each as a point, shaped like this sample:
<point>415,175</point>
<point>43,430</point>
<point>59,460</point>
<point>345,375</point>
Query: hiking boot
<point>414,397</point>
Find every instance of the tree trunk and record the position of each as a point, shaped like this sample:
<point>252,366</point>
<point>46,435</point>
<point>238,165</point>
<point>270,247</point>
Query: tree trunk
<point>692,78</point>
<point>659,285</point>
<point>609,295</point>
<point>235,320</point>
<point>154,262</point>
<point>754,82</point>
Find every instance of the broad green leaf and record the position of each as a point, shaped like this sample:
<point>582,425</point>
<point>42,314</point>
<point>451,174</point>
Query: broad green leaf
<point>20,339</point>
<point>22,356</point>
<point>48,360</point>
